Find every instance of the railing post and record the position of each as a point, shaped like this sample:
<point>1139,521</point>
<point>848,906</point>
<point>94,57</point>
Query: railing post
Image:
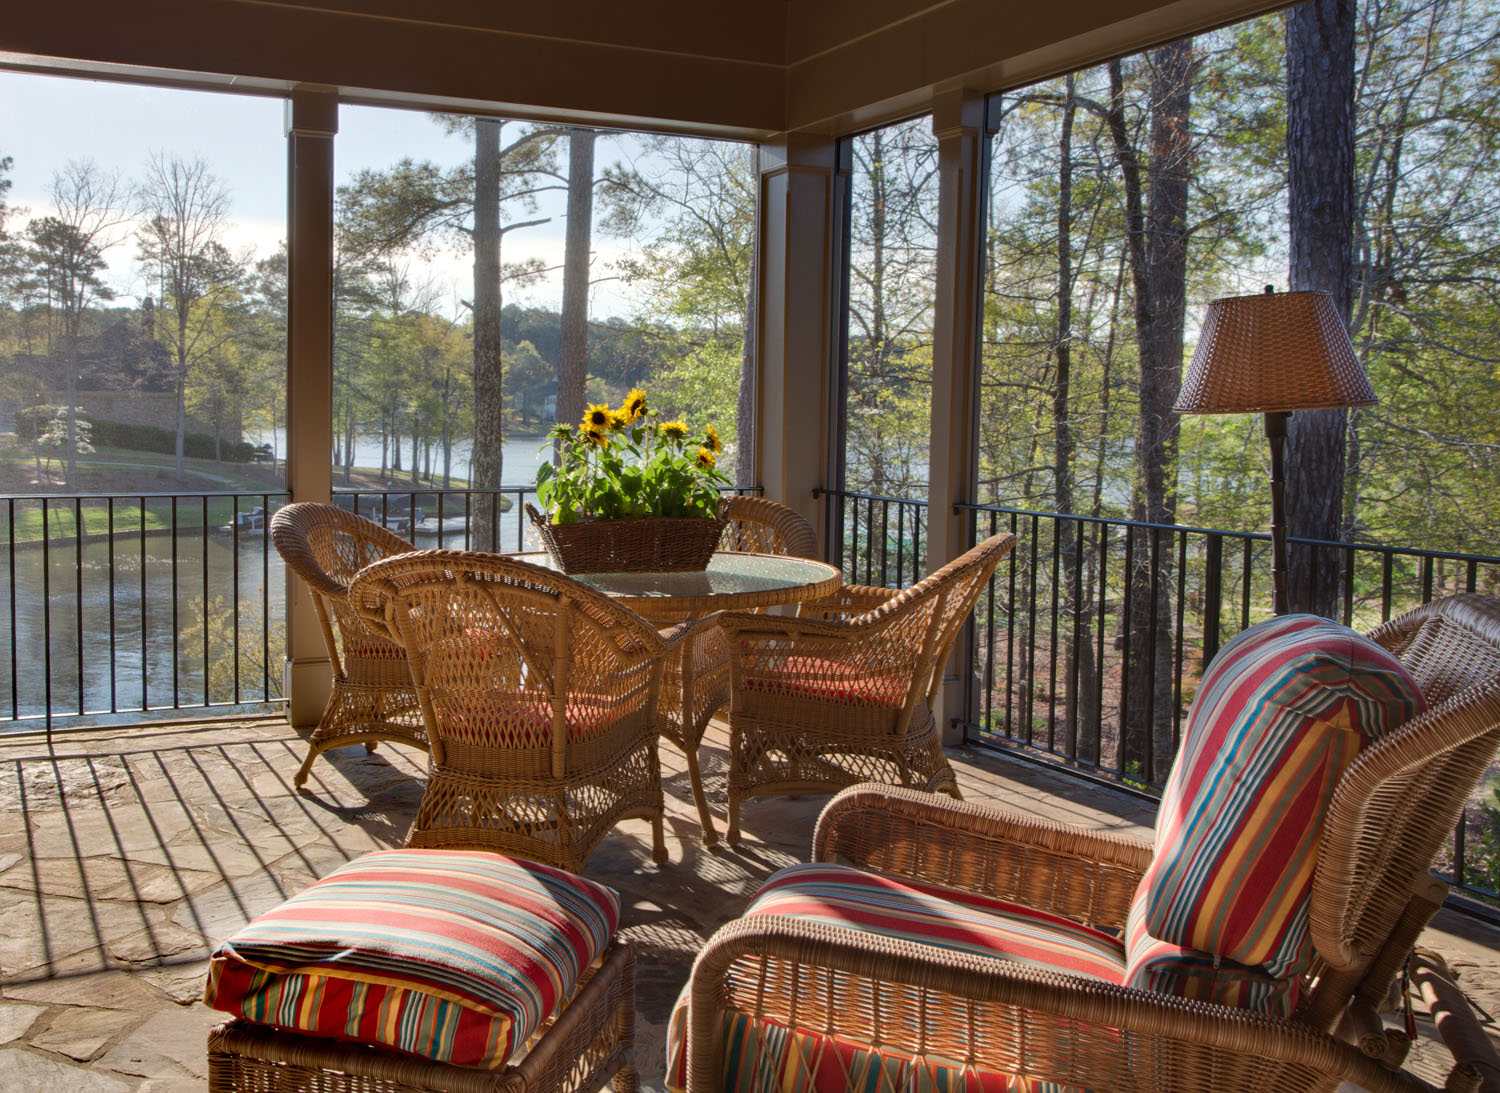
<point>312,121</point>
<point>957,122</point>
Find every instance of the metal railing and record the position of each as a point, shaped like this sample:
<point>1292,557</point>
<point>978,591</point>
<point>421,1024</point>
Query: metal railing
<point>1075,663</point>
<point>140,603</point>
<point>127,606</point>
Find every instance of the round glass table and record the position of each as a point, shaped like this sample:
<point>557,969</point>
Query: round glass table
<point>732,581</point>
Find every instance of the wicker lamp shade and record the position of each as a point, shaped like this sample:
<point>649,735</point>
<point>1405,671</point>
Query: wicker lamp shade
<point>1281,351</point>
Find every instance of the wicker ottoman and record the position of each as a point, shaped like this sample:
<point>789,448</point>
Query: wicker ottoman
<point>428,970</point>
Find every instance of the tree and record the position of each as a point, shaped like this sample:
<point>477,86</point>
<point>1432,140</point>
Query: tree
<point>186,220</point>
<point>689,205</point>
<point>66,251</point>
<point>572,361</point>
<point>1320,197</point>
<point>412,205</point>
<point>1156,240</point>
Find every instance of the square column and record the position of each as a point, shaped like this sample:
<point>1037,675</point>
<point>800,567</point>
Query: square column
<point>799,218</point>
<point>311,122</point>
<point>958,124</point>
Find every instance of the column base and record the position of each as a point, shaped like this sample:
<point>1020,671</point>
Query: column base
<point>307,682</point>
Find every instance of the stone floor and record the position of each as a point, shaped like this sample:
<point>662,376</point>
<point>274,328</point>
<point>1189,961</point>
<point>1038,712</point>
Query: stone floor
<point>125,853</point>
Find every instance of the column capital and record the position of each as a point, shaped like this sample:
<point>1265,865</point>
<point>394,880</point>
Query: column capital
<point>312,110</point>
<point>957,113</point>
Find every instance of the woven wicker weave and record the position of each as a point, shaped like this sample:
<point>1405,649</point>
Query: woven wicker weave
<point>589,1042</point>
<point>791,730</point>
<point>372,697</point>
<point>539,696</point>
<point>649,544</point>
<point>1372,896</point>
<point>696,685</point>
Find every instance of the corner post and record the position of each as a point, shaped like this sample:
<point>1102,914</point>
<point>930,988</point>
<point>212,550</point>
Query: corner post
<point>958,124</point>
<point>798,221</point>
<point>311,122</point>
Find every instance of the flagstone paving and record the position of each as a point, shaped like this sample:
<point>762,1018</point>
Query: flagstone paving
<point>125,853</point>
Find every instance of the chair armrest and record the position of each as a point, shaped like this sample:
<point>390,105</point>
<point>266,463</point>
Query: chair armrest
<point>1086,876</point>
<point>684,632</point>
<point>849,601</point>
<point>1003,1016</point>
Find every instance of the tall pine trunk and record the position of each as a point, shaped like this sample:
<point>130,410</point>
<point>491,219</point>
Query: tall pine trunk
<point>1157,238</point>
<point>489,402</point>
<point>573,358</point>
<point>1320,164</point>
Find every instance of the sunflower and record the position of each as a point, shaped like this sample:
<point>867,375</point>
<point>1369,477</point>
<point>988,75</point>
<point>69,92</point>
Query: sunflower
<point>597,417</point>
<point>617,420</point>
<point>595,436</point>
<point>705,458</point>
<point>713,443</point>
<point>674,430</point>
<point>634,406</point>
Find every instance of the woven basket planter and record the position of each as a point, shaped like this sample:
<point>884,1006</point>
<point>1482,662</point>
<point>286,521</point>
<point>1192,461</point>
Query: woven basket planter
<point>646,544</point>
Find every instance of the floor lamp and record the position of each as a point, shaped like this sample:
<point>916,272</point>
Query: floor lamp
<point>1274,354</point>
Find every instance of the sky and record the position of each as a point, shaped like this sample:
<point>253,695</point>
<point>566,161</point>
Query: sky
<point>46,121</point>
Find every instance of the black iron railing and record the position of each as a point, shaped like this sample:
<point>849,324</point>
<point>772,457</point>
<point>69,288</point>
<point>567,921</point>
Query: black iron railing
<point>123,607</point>
<point>1075,663</point>
<point>140,603</point>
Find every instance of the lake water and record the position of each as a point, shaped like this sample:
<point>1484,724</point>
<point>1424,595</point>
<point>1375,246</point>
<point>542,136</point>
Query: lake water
<point>519,456</point>
<point>80,641</point>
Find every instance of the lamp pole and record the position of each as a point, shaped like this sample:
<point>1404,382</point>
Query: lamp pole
<point>1276,435</point>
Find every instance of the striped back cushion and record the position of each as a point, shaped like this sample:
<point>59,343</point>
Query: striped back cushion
<point>1165,968</point>
<point>1280,714</point>
<point>457,956</point>
<point>766,1055</point>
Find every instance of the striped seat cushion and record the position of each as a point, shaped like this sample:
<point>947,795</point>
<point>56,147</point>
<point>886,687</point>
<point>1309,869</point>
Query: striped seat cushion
<point>832,678</point>
<point>1280,714</point>
<point>456,956</point>
<point>765,1055</point>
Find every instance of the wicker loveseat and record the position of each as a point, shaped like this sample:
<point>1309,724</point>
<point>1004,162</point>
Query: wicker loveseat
<point>785,976</point>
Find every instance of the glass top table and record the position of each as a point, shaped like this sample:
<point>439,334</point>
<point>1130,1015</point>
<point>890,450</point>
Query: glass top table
<point>732,581</point>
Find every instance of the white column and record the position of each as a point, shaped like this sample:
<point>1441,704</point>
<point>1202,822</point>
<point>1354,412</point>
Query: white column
<point>311,122</point>
<point>957,122</point>
<point>797,260</point>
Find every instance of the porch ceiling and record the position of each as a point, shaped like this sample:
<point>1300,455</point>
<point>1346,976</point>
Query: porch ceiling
<point>742,68</point>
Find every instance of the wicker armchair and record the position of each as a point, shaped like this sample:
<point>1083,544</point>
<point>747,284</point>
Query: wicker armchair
<point>540,701</point>
<point>372,697</point>
<point>843,693</point>
<point>696,685</point>
<point>1372,895</point>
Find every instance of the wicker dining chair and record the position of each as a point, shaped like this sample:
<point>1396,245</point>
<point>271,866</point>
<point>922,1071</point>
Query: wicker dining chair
<point>539,696</point>
<point>696,685</point>
<point>1389,816</point>
<point>843,693</point>
<point>372,697</point>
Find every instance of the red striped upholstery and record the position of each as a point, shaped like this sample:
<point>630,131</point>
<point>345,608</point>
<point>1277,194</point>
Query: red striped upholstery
<point>1280,714</point>
<point>830,677</point>
<point>761,1054</point>
<point>457,956</point>
<point>1165,968</point>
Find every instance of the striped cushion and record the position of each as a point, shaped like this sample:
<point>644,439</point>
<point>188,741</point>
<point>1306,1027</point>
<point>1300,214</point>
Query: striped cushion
<point>765,1055</point>
<point>1280,714</point>
<point>456,956</point>
<point>832,678</point>
<point>1165,968</point>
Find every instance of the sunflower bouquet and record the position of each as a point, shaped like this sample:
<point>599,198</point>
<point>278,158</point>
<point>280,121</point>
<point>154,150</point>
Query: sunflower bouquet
<point>626,463</point>
<point>630,492</point>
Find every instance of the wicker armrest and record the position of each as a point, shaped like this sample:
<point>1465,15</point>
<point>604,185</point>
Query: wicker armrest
<point>1086,876</point>
<point>848,601</point>
<point>1003,1016</point>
